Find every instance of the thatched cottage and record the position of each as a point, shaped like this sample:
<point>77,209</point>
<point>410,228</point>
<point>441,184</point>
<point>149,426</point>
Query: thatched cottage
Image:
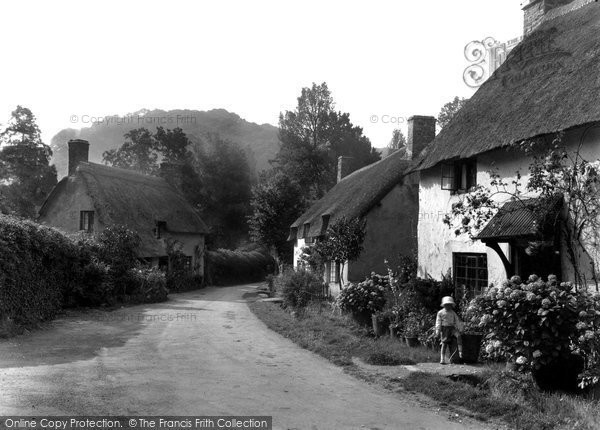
<point>94,196</point>
<point>382,194</point>
<point>549,83</point>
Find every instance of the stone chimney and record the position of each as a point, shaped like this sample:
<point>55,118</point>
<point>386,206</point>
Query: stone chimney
<point>535,10</point>
<point>421,131</point>
<point>79,151</point>
<point>344,167</point>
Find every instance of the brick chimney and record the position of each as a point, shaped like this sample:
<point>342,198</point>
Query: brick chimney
<point>535,10</point>
<point>345,167</point>
<point>421,131</point>
<point>79,151</point>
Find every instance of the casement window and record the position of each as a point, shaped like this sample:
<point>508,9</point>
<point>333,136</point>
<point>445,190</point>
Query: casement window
<point>470,272</point>
<point>459,176</point>
<point>333,272</point>
<point>160,228</point>
<point>86,221</point>
<point>305,233</point>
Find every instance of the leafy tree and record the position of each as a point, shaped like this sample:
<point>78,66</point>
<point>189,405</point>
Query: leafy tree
<point>313,136</point>
<point>26,177</point>
<point>173,145</point>
<point>449,110</point>
<point>139,152</point>
<point>276,203</point>
<point>398,141</point>
<point>343,242</point>
<point>226,182</point>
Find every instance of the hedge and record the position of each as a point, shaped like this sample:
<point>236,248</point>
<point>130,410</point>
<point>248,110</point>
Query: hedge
<point>227,267</point>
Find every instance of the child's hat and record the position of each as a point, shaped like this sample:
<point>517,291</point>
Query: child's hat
<point>448,301</point>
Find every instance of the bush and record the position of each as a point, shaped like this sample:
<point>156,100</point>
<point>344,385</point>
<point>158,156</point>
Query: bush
<point>365,297</point>
<point>538,324</point>
<point>148,285</point>
<point>38,265</point>
<point>299,288</point>
<point>118,247</point>
<point>226,267</point>
<point>179,276</point>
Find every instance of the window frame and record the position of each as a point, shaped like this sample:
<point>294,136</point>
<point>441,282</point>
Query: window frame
<point>454,172</point>
<point>481,282</point>
<point>89,217</point>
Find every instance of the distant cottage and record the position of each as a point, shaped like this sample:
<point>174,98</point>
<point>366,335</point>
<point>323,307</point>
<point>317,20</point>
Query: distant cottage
<point>383,194</point>
<point>94,196</point>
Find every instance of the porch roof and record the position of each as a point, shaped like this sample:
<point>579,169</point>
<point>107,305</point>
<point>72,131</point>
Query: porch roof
<point>524,218</point>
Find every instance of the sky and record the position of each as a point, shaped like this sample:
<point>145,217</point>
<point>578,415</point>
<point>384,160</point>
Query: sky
<point>382,60</point>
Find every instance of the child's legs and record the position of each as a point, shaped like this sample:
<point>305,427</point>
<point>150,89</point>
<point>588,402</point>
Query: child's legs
<point>459,342</point>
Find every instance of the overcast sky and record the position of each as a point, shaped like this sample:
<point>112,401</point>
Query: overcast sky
<point>389,59</point>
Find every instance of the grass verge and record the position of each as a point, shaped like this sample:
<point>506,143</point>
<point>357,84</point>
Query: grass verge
<point>495,395</point>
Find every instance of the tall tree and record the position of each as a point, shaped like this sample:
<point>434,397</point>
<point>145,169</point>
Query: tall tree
<point>276,202</point>
<point>313,136</point>
<point>398,141</point>
<point>449,110</point>
<point>26,176</point>
<point>139,152</point>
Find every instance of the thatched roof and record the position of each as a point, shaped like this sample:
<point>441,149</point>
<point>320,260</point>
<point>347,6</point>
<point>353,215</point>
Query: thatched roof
<point>549,83</point>
<point>354,195</point>
<point>137,201</point>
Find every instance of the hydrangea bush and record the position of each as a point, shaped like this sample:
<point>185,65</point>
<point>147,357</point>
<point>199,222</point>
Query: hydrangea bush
<point>538,323</point>
<point>365,297</point>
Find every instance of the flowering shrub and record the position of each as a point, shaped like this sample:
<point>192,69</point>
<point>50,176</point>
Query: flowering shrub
<point>299,288</point>
<point>150,285</point>
<point>537,323</point>
<point>365,297</point>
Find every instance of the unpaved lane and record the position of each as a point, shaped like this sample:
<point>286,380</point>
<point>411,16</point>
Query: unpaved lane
<point>201,353</point>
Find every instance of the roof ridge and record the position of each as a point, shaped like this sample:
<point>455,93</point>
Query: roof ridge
<point>565,9</point>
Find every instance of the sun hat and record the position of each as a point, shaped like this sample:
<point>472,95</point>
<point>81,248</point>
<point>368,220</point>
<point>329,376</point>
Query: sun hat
<point>448,301</point>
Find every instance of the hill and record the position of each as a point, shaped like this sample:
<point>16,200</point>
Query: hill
<point>260,142</point>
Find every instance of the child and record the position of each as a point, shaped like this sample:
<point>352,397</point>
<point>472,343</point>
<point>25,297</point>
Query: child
<point>448,324</point>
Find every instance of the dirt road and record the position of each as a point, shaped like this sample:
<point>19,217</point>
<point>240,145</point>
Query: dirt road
<point>201,353</point>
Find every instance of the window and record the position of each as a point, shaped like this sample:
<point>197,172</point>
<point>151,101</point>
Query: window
<point>470,272</point>
<point>187,265</point>
<point>305,235</point>
<point>86,221</point>
<point>334,272</point>
<point>159,229</point>
<point>459,176</point>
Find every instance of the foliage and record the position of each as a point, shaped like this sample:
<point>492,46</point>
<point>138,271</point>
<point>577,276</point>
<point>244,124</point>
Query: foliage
<point>418,323</point>
<point>299,288</point>
<point>398,141</point>
<point>138,152</point>
<point>149,285</point>
<point>312,260</point>
<point>276,203</point>
<point>537,323</point>
<point>117,247</point>
<point>26,177</point>
<point>180,276</point>
<point>226,267</point>
<point>225,190</point>
<point>313,136</point>
<point>367,296</point>
<point>449,110</point>
<point>343,242</point>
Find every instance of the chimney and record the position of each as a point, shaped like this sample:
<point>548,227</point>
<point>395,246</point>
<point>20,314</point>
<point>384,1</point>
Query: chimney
<point>535,10</point>
<point>79,150</point>
<point>421,131</point>
<point>345,167</point>
<point>172,173</point>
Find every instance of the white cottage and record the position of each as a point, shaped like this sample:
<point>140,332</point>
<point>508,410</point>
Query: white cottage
<point>550,83</point>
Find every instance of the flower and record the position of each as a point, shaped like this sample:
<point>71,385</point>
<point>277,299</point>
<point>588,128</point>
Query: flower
<point>530,296</point>
<point>516,280</point>
<point>581,325</point>
<point>489,348</point>
<point>546,303</point>
<point>521,360</point>
<point>501,303</point>
<point>537,353</point>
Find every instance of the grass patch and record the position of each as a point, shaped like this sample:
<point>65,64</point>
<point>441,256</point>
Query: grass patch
<point>337,337</point>
<point>510,397</point>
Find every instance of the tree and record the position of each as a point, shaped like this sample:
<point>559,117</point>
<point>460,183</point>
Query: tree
<point>226,189</point>
<point>557,172</point>
<point>343,242</point>
<point>139,152</point>
<point>449,110</point>
<point>313,136</point>
<point>26,176</point>
<point>398,141</point>
<point>276,203</point>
